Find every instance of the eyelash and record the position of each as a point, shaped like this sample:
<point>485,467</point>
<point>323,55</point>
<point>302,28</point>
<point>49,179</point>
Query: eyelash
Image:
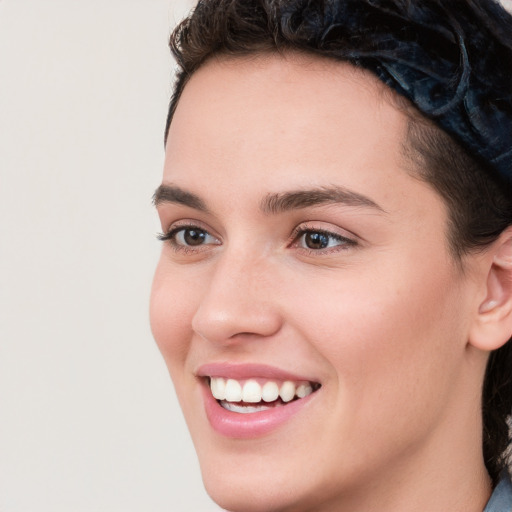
<point>297,235</point>
<point>302,231</point>
<point>170,237</point>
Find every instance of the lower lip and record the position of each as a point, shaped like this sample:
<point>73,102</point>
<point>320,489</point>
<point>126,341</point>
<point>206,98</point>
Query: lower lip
<point>250,425</point>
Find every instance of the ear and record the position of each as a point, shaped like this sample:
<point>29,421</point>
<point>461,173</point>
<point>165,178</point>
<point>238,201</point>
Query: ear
<point>492,327</point>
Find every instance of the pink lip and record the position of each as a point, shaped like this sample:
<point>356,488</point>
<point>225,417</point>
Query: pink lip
<point>246,426</point>
<point>246,371</point>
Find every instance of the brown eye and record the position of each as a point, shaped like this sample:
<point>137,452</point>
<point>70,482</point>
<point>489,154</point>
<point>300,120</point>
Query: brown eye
<point>183,237</point>
<point>191,236</point>
<point>315,240</point>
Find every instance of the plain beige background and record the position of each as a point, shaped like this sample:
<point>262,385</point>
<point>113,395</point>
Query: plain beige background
<point>88,418</point>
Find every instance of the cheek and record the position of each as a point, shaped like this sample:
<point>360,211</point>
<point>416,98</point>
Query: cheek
<point>393,335</point>
<point>171,311</point>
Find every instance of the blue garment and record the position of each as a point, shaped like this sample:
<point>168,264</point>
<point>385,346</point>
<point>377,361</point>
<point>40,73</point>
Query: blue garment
<point>501,499</point>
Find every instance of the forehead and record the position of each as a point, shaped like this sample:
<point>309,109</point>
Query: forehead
<point>283,111</point>
<point>300,73</point>
<point>280,95</point>
<point>301,82</point>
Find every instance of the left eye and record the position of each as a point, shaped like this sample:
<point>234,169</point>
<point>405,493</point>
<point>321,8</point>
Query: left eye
<point>318,240</point>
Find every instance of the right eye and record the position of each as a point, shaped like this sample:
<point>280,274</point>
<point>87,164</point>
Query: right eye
<point>188,237</point>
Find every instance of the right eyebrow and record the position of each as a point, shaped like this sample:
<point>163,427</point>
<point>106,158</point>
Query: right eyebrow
<point>174,194</point>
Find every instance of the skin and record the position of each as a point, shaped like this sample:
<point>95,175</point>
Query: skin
<point>384,322</point>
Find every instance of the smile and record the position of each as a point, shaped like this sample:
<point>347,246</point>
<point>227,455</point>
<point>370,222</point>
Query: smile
<point>252,400</point>
<point>256,395</point>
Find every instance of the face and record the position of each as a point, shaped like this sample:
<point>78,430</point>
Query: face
<point>303,260</point>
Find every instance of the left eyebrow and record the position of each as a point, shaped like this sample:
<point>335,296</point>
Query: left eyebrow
<point>297,199</point>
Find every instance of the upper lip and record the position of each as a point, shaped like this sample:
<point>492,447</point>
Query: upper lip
<point>248,370</point>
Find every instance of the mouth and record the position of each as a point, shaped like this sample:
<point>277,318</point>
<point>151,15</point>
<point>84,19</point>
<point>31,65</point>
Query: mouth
<point>254,395</point>
<point>248,401</point>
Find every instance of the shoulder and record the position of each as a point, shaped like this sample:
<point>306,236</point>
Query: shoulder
<point>501,499</point>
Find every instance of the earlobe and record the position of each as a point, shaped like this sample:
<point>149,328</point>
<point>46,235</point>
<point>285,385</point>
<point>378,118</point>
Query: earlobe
<point>492,327</point>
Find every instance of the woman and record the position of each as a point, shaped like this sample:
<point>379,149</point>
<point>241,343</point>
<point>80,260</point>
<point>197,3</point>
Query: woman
<point>334,295</point>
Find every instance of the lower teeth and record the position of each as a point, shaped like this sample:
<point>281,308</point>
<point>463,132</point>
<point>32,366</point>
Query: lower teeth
<point>246,409</point>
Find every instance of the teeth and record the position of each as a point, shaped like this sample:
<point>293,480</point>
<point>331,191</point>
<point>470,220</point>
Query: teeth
<point>252,392</point>
<point>270,391</point>
<point>287,391</point>
<point>304,390</point>
<point>244,409</point>
<point>218,387</point>
<point>233,391</point>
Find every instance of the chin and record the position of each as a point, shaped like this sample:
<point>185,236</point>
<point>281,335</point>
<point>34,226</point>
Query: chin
<point>253,495</point>
<point>255,481</point>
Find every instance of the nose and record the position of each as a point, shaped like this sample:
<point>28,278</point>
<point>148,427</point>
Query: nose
<point>239,302</point>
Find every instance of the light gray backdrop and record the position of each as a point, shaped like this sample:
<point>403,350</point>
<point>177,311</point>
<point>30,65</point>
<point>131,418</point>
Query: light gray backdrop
<point>88,418</point>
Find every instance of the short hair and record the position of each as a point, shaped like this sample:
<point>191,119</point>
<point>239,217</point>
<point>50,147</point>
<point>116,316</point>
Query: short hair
<point>479,200</point>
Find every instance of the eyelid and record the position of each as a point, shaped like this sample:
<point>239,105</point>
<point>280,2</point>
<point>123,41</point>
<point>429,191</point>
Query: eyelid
<point>169,235</point>
<point>323,227</point>
<point>346,238</point>
<point>188,223</point>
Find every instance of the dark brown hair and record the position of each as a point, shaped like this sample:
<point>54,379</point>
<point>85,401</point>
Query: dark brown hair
<point>479,201</point>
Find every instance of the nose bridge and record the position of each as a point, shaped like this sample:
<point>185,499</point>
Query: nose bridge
<point>238,298</point>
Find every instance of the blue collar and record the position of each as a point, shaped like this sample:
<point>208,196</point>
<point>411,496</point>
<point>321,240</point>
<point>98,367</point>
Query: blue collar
<point>501,499</point>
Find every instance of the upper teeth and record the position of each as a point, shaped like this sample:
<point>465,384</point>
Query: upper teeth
<point>252,391</point>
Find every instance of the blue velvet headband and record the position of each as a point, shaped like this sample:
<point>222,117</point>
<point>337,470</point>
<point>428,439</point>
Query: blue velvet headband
<point>453,63</point>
